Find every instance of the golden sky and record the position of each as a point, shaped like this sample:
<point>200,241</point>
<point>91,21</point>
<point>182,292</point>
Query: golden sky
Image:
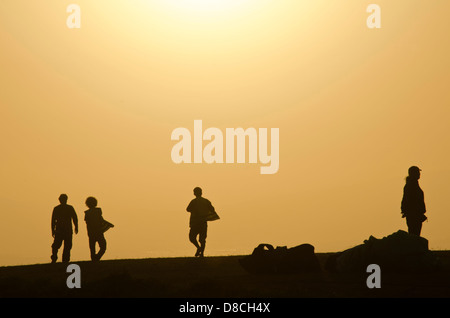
<point>90,111</point>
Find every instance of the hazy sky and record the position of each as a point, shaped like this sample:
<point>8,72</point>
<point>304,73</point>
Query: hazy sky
<point>90,111</point>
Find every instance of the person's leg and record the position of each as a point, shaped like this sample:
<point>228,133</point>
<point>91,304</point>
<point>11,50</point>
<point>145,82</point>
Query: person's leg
<point>414,226</point>
<point>202,238</point>
<point>67,248</point>
<point>57,242</point>
<point>102,244</point>
<point>193,239</point>
<point>92,242</point>
<point>419,228</point>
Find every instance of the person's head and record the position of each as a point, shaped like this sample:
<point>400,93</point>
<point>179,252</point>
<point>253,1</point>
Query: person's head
<point>63,198</point>
<point>414,173</point>
<point>197,192</point>
<point>91,202</point>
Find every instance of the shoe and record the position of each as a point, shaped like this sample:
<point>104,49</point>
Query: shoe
<point>199,251</point>
<point>54,258</point>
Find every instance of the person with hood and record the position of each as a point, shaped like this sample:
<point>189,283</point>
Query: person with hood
<point>95,228</point>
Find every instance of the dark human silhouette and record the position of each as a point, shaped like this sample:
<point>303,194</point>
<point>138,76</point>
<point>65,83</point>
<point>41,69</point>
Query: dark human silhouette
<point>413,203</point>
<point>95,228</point>
<point>201,209</point>
<point>62,217</point>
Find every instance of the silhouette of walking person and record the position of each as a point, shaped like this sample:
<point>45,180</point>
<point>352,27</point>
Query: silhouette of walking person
<point>62,217</point>
<point>95,228</point>
<point>413,203</point>
<point>200,208</point>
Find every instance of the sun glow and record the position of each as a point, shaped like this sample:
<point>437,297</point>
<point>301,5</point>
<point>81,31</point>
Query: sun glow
<point>207,5</point>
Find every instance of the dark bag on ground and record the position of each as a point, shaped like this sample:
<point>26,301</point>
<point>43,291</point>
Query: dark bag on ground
<point>397,252</point>
<point>266,259</point>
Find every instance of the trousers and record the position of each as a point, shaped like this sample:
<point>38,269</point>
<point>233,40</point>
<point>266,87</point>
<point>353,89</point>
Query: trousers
<point>61,238</point>
<point>93,240</point>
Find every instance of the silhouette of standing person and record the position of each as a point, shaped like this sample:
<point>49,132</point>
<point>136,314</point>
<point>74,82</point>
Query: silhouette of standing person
<point>413,203</point>
<point>94,223</point>
<point>199,208</point>
<point>62,217</point>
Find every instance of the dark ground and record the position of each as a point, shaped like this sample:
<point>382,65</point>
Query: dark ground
<point>213,277</point>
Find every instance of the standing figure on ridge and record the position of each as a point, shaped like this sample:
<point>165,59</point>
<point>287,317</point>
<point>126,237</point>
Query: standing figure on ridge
<point>413,203</point>
<point>62,217</point>
<point>201,211</point>
<point>95,227</point>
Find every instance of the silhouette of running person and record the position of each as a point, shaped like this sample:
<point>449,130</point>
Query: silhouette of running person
<point>62,217</point>
<point>94,222</point>
<point>199,208</point>
<point>413,203</point>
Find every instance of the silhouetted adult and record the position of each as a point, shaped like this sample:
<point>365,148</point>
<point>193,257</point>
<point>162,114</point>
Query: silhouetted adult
<point>199,208</point>
<point>62,217</point>
<point>94,223</point>
<point>413,203</point>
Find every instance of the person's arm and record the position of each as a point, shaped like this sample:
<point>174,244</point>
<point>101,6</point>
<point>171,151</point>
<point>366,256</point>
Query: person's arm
<point>190,207</point>
<point>100,213</point>
<point>423,209</point>
<point>75,220</point>
<point>211,208</point>
<point>53,223</point>
<point>404,202</point>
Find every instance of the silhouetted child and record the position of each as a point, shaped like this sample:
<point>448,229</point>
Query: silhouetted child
<point>200,209</point>
<point>413,203</point>
<point>95,228</point>
<point>62,217</point>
